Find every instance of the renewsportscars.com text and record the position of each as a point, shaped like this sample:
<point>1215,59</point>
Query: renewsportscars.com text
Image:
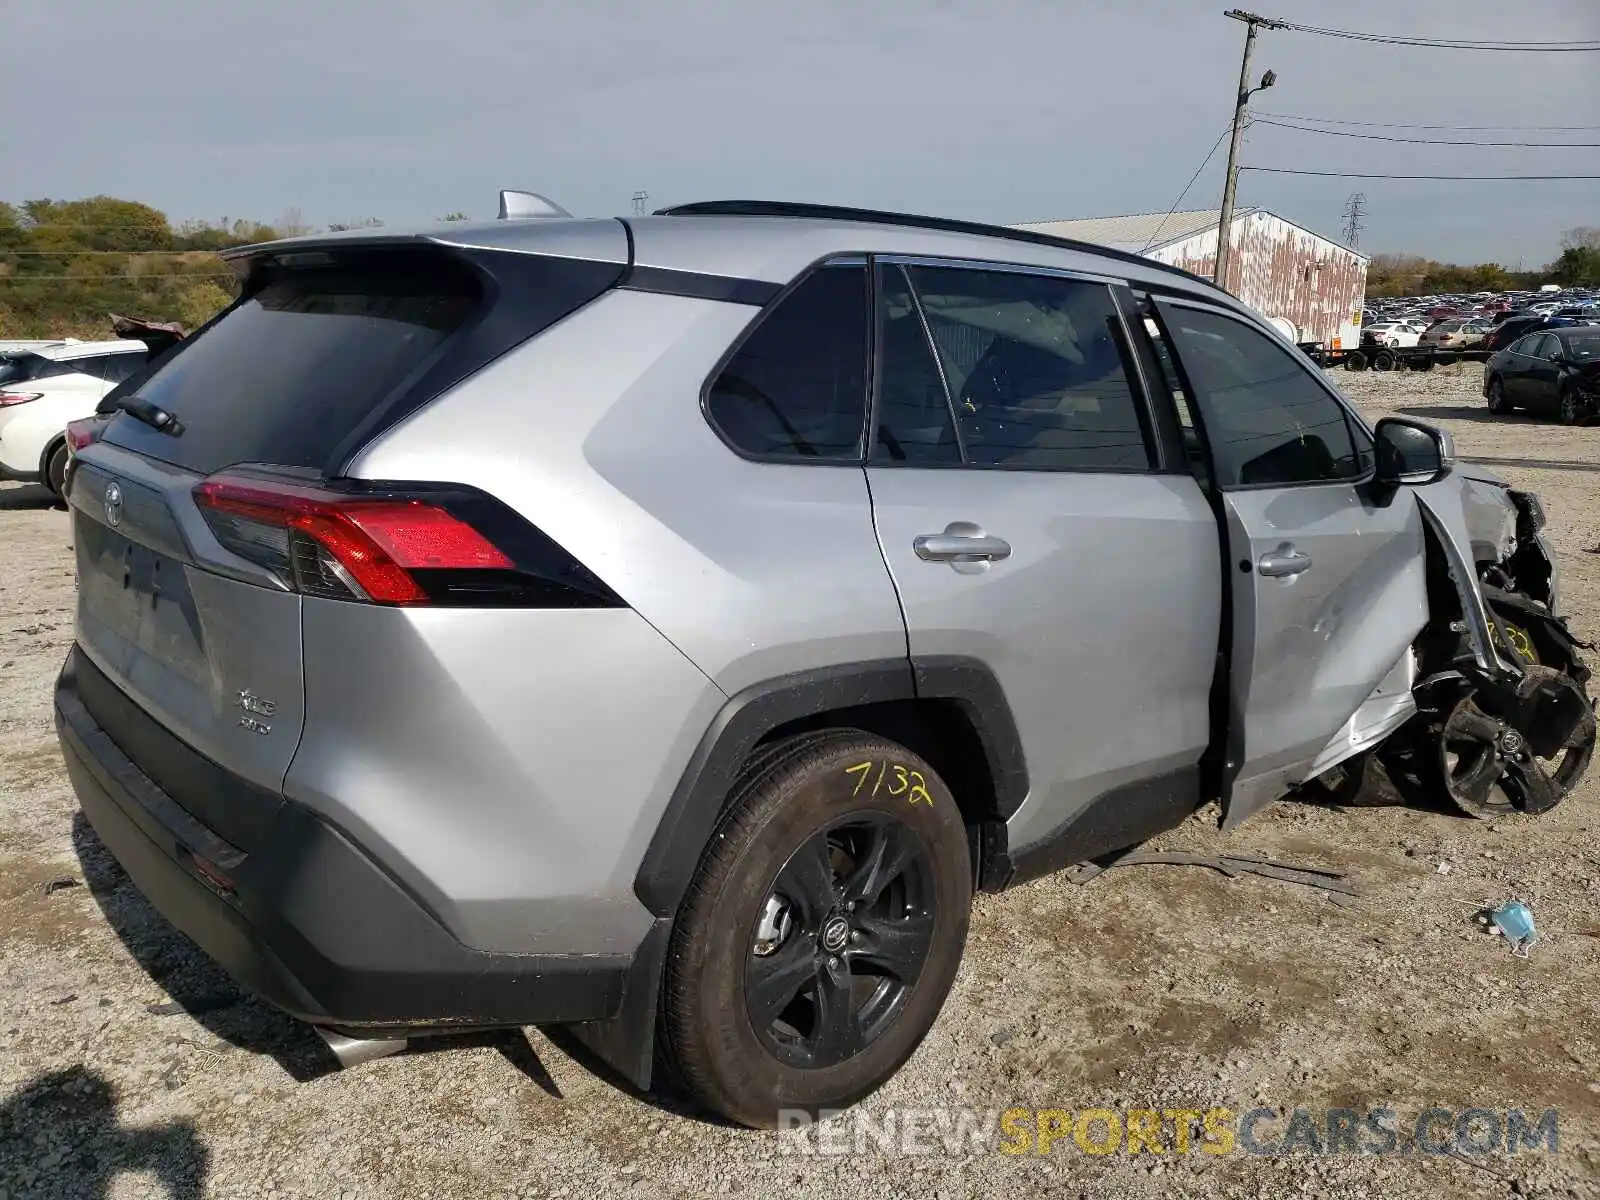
<point>1134,1131</point>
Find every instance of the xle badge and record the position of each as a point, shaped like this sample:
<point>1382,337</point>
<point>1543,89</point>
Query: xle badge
<point>259,706</point>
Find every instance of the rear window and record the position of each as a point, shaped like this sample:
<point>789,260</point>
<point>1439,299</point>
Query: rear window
<point>288,374</point>
<point>1585,347</point>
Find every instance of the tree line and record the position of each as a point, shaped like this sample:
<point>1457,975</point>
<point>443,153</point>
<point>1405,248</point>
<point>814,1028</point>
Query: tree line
<point>65,265</point>
<point>1578,265</point>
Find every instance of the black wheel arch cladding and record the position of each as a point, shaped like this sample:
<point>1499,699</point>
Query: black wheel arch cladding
<point>826,696</point>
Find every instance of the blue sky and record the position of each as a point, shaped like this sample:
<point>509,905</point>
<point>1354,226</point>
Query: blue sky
<point>999,110</point>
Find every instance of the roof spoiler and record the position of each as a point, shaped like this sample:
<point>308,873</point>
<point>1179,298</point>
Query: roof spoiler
<point>518,205</point>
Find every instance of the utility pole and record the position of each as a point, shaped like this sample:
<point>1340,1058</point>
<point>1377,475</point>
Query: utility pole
<point>1231,184</point>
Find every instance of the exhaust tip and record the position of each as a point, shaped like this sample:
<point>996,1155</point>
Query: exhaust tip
<point>352,1052</point>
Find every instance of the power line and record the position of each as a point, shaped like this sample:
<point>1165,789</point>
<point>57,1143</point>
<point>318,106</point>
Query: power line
<point>1214,146</point>
<point>27,225</point>
<point>1382,137</point>
<point>75,253</point>
<point>123,275</point>
<point>1362,175</point>
<point>1433,43</point>
<point>1408,125</point>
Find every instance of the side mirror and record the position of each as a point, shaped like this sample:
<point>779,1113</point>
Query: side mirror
<point>1412,452</point>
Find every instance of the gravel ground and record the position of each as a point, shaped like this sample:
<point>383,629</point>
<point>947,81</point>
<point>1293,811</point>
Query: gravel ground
<point>1151,987</point>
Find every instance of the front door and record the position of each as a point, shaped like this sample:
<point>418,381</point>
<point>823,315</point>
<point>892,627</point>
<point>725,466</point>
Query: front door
<point>1327,573</point>
<point>1024,514</point>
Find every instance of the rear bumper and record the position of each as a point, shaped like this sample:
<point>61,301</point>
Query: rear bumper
<point>307,920</point>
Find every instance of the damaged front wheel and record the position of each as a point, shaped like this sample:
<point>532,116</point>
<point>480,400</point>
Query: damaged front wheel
<point>1517,749</point>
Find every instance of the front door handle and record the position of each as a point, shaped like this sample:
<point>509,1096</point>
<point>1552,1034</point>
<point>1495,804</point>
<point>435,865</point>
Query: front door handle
<point>961,542</point>
<point>1286,560</point>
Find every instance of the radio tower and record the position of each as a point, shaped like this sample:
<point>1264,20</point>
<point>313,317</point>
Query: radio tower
<point>640,200</point>
<point>1354,209</point>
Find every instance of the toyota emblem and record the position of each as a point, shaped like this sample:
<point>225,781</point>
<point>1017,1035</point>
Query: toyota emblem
<point>113,505</point>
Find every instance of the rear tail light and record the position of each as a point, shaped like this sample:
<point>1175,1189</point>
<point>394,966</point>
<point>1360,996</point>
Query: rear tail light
<point>82,433</point>
<point>7,399</point>
<point>424,546</point>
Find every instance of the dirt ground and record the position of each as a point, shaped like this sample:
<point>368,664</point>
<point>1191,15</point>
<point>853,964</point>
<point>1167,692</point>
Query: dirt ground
<point>1149,987</point>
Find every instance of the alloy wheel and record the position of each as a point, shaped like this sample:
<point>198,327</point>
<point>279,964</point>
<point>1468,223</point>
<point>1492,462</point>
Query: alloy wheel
<point>1521,752</point>
<point>1567,409</point>
<point>840,940</point>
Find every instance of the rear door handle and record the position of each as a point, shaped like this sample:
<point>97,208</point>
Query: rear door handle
<point>1286,560</point>
<point>961,542</point>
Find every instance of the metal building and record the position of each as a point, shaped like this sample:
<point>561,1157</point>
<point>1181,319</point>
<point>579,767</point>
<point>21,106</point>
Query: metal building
<point>1287,273</point>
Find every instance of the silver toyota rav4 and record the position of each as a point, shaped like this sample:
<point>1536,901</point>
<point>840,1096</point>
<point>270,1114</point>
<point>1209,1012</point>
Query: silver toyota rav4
<point>661,627</point>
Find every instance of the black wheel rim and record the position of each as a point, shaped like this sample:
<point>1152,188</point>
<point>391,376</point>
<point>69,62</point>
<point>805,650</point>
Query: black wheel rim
<point>1569,408</point>
<point>1492,768</point>
<point>840,941</point>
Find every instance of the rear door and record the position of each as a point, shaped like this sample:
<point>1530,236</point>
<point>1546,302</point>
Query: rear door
<point>1033,524</point>
<point>1519,361</point>
<point>1328,587</point>
<point>1541,379</point>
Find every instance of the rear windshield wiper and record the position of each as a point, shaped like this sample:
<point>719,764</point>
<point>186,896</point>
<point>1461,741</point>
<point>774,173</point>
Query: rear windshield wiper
<point>152,415</point>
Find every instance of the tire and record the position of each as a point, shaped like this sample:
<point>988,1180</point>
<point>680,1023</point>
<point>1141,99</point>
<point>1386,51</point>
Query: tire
<point>785,917</point>
<point>1359,782</point>
<point>55,472</point>
<point>1384,360</point>
<point>1356,360</point>
<point>1568,411</point>
<point>1499,406</point>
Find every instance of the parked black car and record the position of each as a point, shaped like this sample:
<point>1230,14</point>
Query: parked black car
<point>1555,371</point>
<point>1512,328</point>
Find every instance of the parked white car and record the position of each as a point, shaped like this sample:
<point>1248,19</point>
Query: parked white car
<point>42,389</point>
<point>14,346</point>
<point>1394,333</point>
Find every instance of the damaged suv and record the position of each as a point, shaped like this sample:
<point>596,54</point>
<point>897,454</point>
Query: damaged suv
<point>662,626</point>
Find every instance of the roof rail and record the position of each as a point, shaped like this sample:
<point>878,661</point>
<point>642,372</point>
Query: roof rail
<point>832,212</point>
<point>515,205</point>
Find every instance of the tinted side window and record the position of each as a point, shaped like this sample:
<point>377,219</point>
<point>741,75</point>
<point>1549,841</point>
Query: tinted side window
<point>1268,421</point>
<point>117,367</point>
<point>113,368</point>
<point>94,367</point>
<point>797,387</point>
<point>52,369</point>
<point>1544,346</point>
<point>914,424</point>
<point>1036,367</point>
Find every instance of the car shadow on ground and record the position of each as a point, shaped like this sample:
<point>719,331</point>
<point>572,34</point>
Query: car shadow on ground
<point>201,990</point>
<point>1460,412</point>
<point>661,1094</point>
<point>29,495</point>
<point>1534,464</point>
<point>195,984</point>
<point>64,1131</point>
